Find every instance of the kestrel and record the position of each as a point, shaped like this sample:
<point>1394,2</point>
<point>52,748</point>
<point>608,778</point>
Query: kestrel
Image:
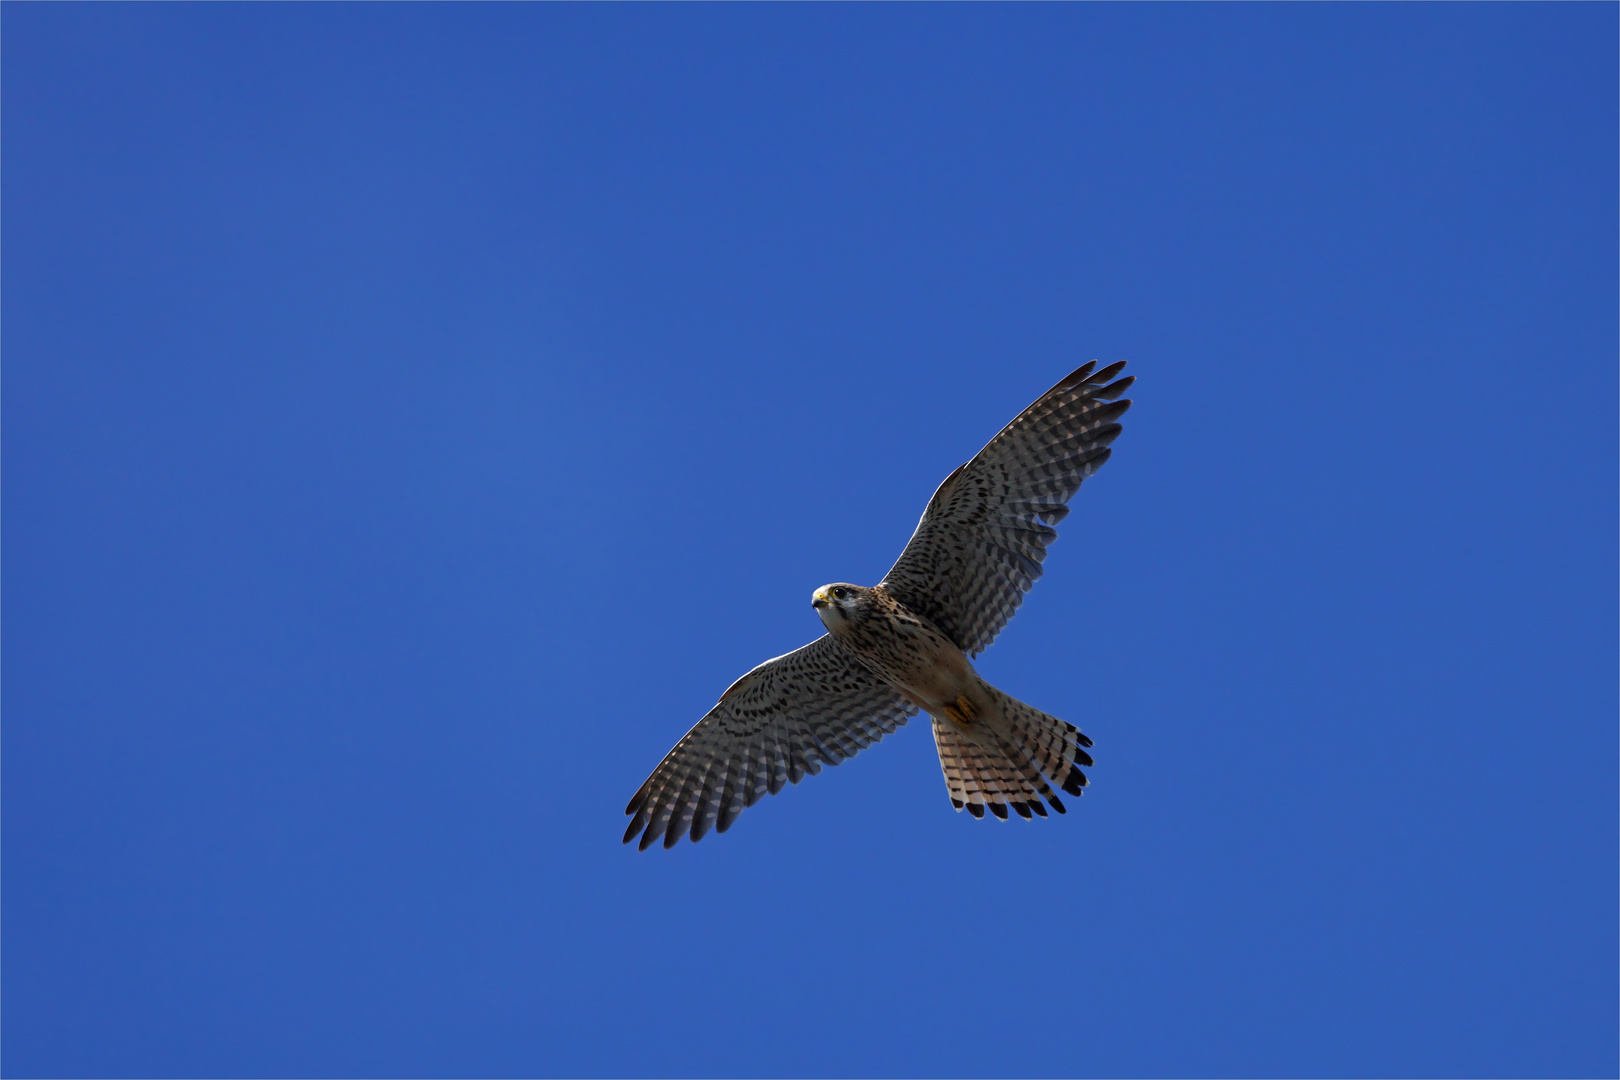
<point>903,645</point>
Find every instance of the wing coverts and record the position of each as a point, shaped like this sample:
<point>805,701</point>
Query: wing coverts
<point>782,721</point>
<point>980,544</point>
<point>976,551</point>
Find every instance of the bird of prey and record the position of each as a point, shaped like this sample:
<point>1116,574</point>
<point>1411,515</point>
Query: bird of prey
<point>904,644</point>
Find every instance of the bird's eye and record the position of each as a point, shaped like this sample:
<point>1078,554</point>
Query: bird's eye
<point>840,593</point>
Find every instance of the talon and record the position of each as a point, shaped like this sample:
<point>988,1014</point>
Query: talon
<point>955,715</point>
<point>965,707</point>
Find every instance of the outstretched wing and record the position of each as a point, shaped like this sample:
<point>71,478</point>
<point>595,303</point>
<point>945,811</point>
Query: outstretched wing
<point>787,718</point>
<point>979,546</point>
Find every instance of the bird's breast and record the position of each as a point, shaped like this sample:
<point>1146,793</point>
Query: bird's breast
<point>912,654</point>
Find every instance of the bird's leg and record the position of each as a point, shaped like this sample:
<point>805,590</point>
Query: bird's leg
<point>962,711</point>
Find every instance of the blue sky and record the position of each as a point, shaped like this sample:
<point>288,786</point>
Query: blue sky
<point>415,416</point>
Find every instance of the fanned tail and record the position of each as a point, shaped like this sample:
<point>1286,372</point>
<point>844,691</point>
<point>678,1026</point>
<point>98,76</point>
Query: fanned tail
<point>1014,762</point>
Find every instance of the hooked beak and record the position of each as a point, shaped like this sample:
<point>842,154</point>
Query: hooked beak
<point>819,600</point>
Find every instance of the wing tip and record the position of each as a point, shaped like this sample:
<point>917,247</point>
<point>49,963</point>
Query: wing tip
<point>1096,384</point>
<point>1076,377</point>
<point>1088,373</point>
<point>1114,389</point>
<point>1107,373</point>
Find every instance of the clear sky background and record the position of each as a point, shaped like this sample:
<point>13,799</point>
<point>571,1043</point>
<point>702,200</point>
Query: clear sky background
<point>415,416</point>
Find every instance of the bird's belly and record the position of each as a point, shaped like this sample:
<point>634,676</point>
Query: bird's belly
<point>927,666</point>
<point>918,659</point>
<point>941,685</point>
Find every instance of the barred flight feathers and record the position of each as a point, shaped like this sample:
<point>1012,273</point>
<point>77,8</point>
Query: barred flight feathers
<point>782,721</point>
<point>905,644</point>
<point>979,778</point>
<point>981,541</point>
<point>1048,745</point>
<point>1018,750</point>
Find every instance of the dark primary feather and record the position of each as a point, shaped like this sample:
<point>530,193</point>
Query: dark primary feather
<point>977,550</point>
<point>782,721</point>
<point>981,541</point>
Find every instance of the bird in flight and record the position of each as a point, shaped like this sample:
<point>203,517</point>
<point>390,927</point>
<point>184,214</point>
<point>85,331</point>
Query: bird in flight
<point>904,644</point>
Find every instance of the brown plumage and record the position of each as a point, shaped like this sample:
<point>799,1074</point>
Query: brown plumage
<point>904,644</point>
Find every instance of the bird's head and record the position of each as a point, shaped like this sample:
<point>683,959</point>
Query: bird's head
<point>839,604</point>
